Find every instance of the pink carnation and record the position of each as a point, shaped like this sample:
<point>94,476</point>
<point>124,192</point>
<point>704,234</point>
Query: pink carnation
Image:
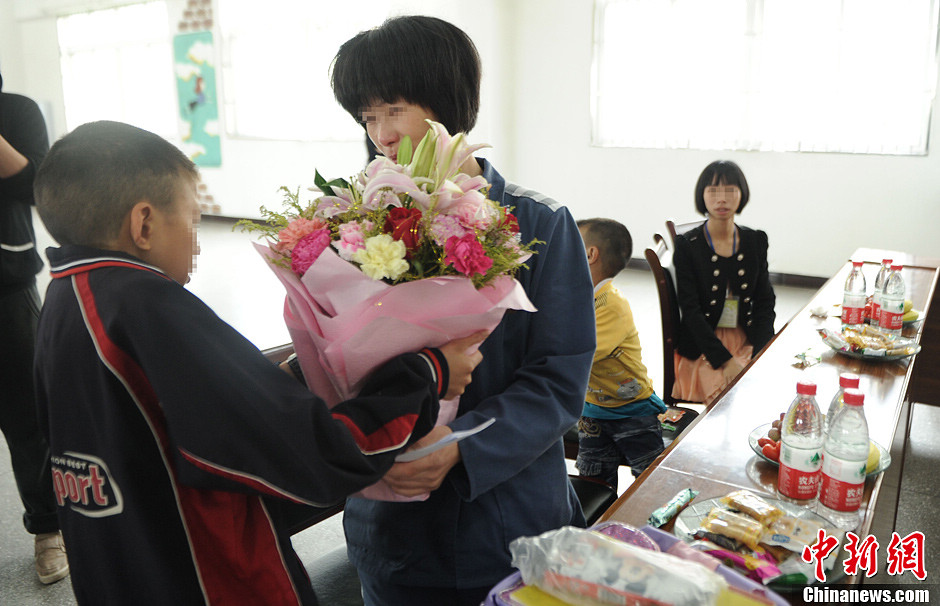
<point>467,256</point>
<point>472,210</point>
<point>351,239</point>
<point>443,227</point>
<point>294,232</point>
<point>308,249</point>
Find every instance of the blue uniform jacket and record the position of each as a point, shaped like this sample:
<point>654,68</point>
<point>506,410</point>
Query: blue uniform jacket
<point>512,480</point>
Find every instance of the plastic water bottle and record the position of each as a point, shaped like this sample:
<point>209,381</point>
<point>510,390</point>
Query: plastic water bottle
<point>892,302</point>
<point>846,380</point>
<point>880,278</point>
<point>844,459</point>
<point>854,296</point>
<point>801,446</point>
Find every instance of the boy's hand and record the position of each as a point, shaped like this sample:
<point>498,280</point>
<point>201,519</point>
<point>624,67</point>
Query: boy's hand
<point>462,355</point>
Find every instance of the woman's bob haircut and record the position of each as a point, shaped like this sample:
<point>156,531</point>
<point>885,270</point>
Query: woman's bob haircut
<point>721,172</point>
<point>414,59</point>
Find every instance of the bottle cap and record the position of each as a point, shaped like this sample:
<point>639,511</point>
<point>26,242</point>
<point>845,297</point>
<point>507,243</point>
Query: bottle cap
<point>896,267</point>
<point>858,263</point>
<point>848,379</point>
<point>853,397</point>
<point>806,388</point>
<point>886,261</point>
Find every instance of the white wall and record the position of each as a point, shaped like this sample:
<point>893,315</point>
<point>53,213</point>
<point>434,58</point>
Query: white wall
<point>252,170</point>
<point>816,208</point>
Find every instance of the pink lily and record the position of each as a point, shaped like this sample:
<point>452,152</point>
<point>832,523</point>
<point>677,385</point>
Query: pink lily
<point>383,190</point>
<point>330,206</point>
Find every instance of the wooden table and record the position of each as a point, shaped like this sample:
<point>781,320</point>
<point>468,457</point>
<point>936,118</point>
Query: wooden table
<point>713,456</point>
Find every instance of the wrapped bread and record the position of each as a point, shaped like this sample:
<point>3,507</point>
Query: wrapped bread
<point>734,526</point>
<point>747,502</point>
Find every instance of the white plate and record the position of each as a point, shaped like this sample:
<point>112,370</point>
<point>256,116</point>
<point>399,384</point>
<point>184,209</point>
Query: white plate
<point>860,356</point>
<point>761,431</point>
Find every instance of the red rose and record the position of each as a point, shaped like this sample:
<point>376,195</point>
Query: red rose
<point>511,223</point>
<point>404,224</point>
<point>467,256</point>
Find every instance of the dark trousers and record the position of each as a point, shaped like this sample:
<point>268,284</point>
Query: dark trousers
<point>380,593</point>
<point>29,451</point>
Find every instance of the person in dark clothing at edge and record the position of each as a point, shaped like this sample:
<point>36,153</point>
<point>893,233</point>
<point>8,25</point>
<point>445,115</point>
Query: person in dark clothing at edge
<point>24,142</point>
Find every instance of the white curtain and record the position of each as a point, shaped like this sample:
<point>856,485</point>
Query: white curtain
<point>850,76</point>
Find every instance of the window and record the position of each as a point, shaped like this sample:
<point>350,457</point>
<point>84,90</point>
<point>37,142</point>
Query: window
<point>276,57</point>
<point>854,76</point>
<point>117,65</point>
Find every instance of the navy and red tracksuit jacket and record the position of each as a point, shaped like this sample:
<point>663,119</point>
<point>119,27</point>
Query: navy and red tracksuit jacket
<point>171,435</point>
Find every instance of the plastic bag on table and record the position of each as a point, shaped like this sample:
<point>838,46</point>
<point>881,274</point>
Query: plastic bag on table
<point>587,568</point>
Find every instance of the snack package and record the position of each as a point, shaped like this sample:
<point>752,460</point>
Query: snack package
<point>716,540</point>
<point>734,526</point>
<point>795,533</point>
<point>586,568</point>
<point>760,567</point>
<point>747,502</point>
<point>676,504</point>
<point>834,339</point>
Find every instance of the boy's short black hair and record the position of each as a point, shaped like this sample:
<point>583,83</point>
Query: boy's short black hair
<point>728,173</point>
<point>92,177</point>
<point>421,60</point>
<point>612,240</point>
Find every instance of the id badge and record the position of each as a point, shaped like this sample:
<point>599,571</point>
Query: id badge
<point>729,313</point>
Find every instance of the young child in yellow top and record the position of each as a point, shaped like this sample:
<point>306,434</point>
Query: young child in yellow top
<point>619,423</point>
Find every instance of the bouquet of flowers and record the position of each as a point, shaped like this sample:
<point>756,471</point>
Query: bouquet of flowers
<point>402,256</point>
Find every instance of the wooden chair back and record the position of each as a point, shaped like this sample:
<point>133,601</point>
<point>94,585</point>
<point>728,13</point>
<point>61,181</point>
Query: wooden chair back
<point>676,418</point>
<point>675,229</point>
<point>660,261</point>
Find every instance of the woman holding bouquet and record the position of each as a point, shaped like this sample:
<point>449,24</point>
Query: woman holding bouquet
<point>509,480</point>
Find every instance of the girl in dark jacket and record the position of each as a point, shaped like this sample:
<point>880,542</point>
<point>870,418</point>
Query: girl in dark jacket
<point>723,286</point>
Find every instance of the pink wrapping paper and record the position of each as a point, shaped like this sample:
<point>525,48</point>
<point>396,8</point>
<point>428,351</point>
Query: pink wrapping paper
<point>344,324</point>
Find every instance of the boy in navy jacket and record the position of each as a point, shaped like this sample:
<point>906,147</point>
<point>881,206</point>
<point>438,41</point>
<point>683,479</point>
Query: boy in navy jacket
<point>170,434</point>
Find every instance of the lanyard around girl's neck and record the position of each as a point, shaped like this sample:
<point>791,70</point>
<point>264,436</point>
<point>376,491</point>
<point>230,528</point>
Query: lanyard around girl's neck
<point>734,239</point>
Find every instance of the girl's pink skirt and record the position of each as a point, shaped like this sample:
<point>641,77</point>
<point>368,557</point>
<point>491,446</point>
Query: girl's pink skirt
<point>697,381</point>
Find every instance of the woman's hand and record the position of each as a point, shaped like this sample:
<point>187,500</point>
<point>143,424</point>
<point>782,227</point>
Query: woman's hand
<point>731,369</point>
<point>462,355</point>
<point>427,473</point>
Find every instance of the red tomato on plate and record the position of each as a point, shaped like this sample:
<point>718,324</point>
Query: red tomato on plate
<point>772,451</point>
